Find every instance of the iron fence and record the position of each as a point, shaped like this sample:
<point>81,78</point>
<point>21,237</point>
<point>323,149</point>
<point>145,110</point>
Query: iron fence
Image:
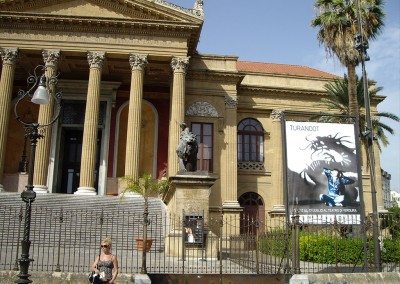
<point>69,241</point>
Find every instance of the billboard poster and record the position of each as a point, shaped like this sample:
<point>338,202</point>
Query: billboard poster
<point>322,172</point>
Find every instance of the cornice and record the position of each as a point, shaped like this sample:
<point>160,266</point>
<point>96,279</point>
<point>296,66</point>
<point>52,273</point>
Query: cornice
<point>18,21</point>
<point>215,76</point>
<point>287,76</point>
<point>198,13</point>
<point>159,8</point>
<point>266,90</point>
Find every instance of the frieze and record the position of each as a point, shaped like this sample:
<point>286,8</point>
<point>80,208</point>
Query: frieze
<point>231,102</point>
<point>51,57</point>
<point>180,64</point>
<point>96,59</point>
<point>117,26</point>
<point>137,61</point>
<point>277,114</point>
<point>87,38</point>
<point>202,109</point>
<point>216,76</point>
<point>9,55</point>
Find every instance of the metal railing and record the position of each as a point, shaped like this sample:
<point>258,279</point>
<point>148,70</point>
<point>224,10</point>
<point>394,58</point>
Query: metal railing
<point>69,241</point>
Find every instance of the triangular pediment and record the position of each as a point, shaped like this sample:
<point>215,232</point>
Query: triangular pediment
<point>80,8</point>
<point>155,10</point>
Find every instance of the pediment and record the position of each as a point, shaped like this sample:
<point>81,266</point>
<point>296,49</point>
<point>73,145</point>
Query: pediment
<point>153,10</point>
<point>81,8</point>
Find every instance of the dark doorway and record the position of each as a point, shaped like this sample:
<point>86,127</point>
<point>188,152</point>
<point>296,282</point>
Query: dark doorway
<point>70,159</point>
<point>253,213</point>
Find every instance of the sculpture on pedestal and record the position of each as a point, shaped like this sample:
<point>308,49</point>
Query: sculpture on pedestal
<point>187,149</point>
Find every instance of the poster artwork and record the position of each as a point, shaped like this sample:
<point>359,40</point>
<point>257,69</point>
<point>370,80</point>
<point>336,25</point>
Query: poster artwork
<point>322,172</point>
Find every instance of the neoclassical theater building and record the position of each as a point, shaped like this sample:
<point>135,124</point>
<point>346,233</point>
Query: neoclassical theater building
<point>130,73</point>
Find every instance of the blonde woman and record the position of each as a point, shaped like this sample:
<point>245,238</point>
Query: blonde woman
<point>106,264</point>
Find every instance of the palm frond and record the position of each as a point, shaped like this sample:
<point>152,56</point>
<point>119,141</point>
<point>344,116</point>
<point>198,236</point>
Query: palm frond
<point>337,101</point>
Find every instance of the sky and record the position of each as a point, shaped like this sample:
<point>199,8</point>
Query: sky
<point>279,31</point>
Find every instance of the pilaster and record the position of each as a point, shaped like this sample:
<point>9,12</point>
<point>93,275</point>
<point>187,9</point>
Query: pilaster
<point>177,115</point>
<point>50,58</point>
<point>89,142</point>
<point>137,62</point>
<point>9,58</point>
<point>229,191</point>
<point>278,207</point>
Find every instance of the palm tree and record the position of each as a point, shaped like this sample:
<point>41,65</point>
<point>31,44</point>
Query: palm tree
<point>338,102</point>
<point>338,25</point>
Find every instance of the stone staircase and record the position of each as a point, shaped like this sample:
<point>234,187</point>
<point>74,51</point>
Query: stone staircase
<point>71,227</point>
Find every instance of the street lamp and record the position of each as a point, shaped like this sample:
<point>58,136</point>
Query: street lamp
<point>361,44</point>
<point>43,94</point>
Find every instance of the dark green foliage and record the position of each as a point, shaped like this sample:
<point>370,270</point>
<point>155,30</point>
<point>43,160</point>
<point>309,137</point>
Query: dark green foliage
<point>391,250</point>
<point>323,248</point>
<point>337,102</point>
<point>277,242</point>
<point>391,221</point>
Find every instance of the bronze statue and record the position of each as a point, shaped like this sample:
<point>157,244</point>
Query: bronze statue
<point>187,149</point>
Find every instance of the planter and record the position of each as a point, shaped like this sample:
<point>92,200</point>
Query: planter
<point>140,244</point>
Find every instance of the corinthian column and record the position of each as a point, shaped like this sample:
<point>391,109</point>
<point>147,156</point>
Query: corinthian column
<point>278,207</point>
<point>229,192</point>
<point>137,63</point>
<point>179,67</point>
<point>50,58</point>
<point>89,143</point>
<point>9,58</point>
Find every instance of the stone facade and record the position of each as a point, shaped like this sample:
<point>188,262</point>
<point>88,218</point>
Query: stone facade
<point>130,74</point>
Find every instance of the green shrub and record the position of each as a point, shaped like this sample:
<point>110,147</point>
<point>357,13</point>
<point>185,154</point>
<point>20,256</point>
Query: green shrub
<point>322,248</point>
<point>391,250</point>
<point>391,221</point>
<point>327,248</point>
<point>276,242</point>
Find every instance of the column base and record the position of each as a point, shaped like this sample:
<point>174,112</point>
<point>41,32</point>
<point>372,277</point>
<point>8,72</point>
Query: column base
<point>278,209</point>
<point>85,190</point>
<point>40,189</point>
<point>231,205</point>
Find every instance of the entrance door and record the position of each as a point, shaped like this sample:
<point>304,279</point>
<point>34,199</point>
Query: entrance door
<point>253,211</point>
<point>70,159</point>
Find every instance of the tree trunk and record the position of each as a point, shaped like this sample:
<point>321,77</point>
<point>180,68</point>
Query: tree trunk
<point>352,89</point>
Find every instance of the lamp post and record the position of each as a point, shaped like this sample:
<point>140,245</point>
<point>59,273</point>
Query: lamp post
<point>361,44</point>
<point>43,93</point>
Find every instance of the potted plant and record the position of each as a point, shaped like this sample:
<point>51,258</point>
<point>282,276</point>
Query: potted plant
<point>146,186</point>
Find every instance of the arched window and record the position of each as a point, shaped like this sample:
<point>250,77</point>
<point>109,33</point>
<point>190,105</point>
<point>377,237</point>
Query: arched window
<point>250,141</point>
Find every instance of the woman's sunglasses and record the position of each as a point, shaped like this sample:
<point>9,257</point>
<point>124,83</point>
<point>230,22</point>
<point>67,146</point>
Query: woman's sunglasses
<point>104,246</point>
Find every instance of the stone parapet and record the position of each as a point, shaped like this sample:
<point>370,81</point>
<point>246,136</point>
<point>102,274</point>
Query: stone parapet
<point>340,278</point>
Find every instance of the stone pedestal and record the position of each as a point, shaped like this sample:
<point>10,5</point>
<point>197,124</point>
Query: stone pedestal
<point>175,242</point>
<point>189,195</point>
<point>15,182</point>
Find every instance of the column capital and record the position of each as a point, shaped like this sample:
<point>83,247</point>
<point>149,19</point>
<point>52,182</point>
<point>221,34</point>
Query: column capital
<point>9,55</point>
<point>231,102</point>
<point>137,61</point>
<point>277,114</point>
<point>51,57</point>
<point>96,59</point>
<point>180,64</point>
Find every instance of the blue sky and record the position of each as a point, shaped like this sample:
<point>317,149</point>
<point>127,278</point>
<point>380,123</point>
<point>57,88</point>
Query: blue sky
<point>279,31</point>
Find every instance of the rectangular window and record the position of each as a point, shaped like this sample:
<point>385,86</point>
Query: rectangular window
<point>204,135</point>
